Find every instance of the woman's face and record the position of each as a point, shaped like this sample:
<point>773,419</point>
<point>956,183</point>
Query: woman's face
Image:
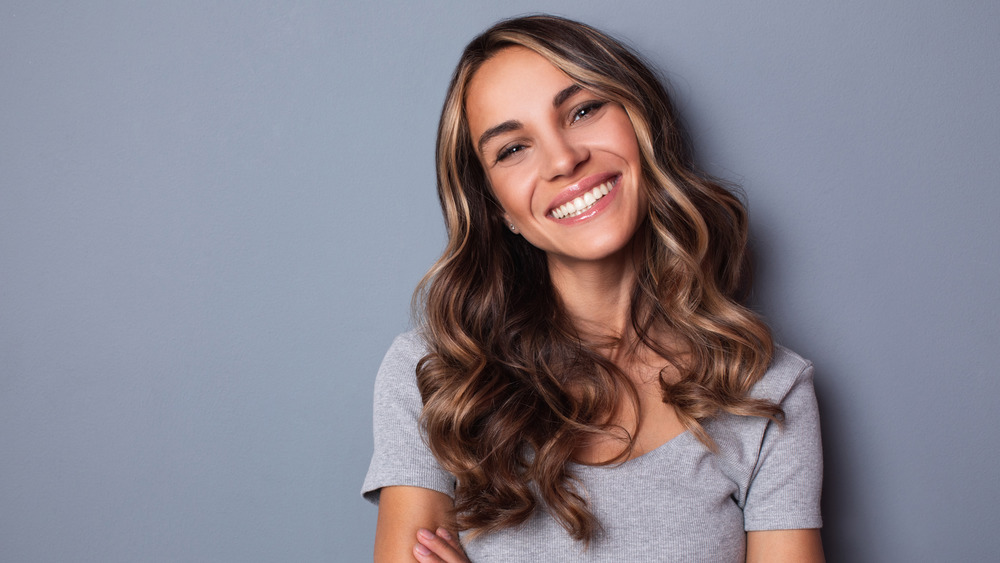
<point>562,161</point>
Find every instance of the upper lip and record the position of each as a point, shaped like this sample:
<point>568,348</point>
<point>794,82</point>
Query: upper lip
<point>581,187</point>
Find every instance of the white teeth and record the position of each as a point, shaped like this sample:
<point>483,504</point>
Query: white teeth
<point>582,203</point>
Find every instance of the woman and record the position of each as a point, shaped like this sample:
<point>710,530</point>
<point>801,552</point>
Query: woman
<point>585,384</point>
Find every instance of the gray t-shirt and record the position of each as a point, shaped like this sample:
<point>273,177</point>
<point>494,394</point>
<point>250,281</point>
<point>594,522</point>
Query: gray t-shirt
<point>679,502</point>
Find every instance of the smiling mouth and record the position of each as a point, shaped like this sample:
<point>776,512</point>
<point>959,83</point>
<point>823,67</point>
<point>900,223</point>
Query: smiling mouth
<point>584,202</point>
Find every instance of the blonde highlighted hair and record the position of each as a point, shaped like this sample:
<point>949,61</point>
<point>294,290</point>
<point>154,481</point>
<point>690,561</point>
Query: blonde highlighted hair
<point>510,388</point>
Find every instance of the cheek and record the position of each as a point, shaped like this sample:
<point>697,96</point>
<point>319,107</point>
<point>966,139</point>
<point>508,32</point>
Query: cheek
<point>629,144</point>
<point>511,191</point>
<point>622,134</point>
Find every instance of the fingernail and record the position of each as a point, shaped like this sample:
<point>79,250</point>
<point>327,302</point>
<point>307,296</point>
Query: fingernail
<point>425,534</point>
<point>419,548</point>
<point>444,533</point>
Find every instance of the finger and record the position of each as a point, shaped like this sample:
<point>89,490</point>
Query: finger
<point>425,555</point>
<point>450,539</point>
<point>440,548</point>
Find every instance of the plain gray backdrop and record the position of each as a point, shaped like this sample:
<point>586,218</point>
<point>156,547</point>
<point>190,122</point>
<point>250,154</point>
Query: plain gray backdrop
<point>212,215</point>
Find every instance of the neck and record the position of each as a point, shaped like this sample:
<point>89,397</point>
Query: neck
<point>596,295</point>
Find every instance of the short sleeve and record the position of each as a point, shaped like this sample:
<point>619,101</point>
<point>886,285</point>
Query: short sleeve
<point>401,457</point>
<point>787,479</point>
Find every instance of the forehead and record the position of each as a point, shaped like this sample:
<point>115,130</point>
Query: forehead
<point>510,85</point>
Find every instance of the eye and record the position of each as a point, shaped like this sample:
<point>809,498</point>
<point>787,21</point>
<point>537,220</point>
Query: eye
<point>584,111</point>
<point>508,151</point>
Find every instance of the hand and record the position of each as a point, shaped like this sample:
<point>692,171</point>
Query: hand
<point>441,546</point>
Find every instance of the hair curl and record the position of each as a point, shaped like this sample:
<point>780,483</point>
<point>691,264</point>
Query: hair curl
<point>509,386</point>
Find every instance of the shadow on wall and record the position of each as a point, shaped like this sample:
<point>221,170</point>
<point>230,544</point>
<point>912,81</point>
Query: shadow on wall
<point>843,523</point>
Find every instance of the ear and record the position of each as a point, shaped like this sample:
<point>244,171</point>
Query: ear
<point>510,224</point>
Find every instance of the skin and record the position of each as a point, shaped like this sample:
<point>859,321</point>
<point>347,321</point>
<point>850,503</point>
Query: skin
<point>553,148</point>
<point>538,136</point>
<point>402,511</point>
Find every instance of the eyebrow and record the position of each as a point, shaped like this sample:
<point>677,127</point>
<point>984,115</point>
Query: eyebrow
<point>504,127</point>
<point>513,125</point>
<point>565,94</point>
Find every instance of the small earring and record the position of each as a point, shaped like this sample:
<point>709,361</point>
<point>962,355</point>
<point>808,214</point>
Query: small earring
<point>513,229</point>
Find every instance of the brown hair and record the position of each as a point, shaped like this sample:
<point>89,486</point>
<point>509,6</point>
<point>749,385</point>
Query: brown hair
<point>510,388</point>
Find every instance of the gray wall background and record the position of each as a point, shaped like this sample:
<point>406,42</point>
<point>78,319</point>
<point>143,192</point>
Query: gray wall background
<point>212,215</point>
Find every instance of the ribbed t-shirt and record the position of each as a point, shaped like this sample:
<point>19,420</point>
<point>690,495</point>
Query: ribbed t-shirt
<point>679,502</point>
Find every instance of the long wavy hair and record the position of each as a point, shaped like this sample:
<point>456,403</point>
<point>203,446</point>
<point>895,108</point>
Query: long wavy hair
<point>510,387</point>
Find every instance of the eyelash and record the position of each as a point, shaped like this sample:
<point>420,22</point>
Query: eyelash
<point>508,151</point>
<point>589,107</point>
<point>581,112</point>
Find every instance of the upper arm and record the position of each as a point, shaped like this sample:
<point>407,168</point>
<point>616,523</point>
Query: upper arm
<point>782,512</point>
<point>404,479</point>
<point>778,546</point>
<point>787,480</point>
<point>400,457</point>
<point>401,512</point>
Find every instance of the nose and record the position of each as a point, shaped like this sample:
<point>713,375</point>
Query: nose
<point>563,155</point>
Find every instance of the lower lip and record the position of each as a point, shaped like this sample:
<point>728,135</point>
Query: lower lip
<point>598,206</point>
